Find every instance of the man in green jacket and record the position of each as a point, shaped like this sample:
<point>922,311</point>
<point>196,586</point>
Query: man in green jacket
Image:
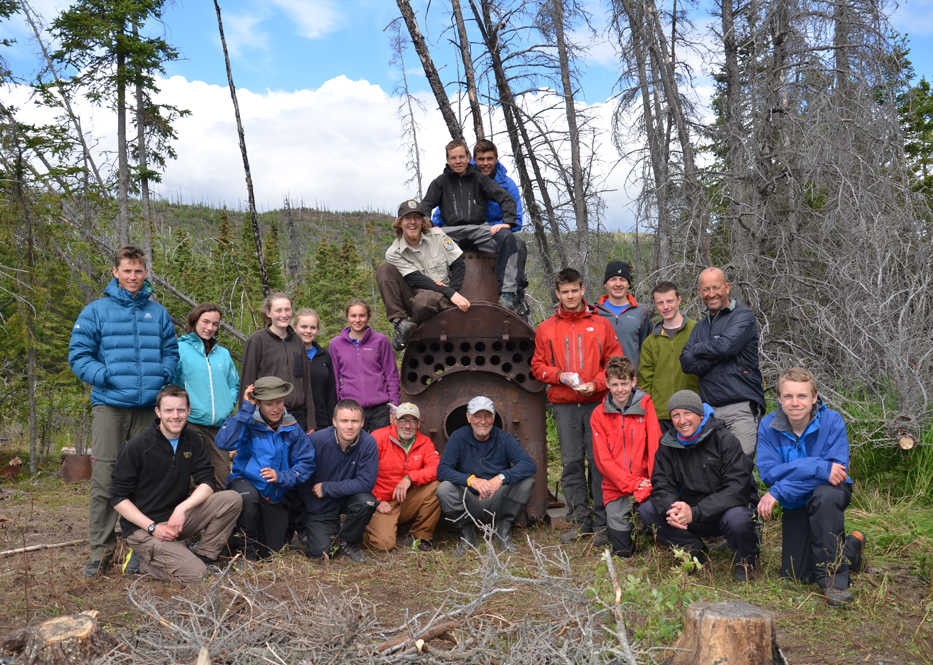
<point>659,371</point>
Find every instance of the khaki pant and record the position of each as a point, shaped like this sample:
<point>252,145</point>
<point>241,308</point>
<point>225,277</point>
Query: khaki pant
<point>172,560</point>
<point>111,428</point>
<point>420,507</point>
<point>403,302</point>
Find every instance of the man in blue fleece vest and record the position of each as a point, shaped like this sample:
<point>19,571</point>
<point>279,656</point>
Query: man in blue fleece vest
<point>124,346</point>
<point>803,457</point>
<point>485,475</point>
<point>347,465</point>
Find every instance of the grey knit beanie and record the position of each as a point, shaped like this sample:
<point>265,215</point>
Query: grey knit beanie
<point>686,399</point>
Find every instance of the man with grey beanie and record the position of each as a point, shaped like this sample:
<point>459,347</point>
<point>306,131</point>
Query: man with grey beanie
<point>702,485</point>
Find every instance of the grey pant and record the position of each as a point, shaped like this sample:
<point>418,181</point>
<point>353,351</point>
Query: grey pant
<point>111,428</point>
<point>741,420</point>
<point>584,499</point>
<point>172,560</point>
<point>619,514</point>
<point>502,244</point>
<point>458,500</point>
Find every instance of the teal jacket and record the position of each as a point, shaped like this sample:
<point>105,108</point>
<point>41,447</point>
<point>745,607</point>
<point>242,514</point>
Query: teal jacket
<point>211,380</point>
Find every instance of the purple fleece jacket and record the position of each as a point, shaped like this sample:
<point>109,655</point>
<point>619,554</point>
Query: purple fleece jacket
<point>365,371</point>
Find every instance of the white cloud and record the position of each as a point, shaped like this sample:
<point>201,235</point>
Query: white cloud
<point>314,18</point>
<point>243,32</point>
<point>338,146</point>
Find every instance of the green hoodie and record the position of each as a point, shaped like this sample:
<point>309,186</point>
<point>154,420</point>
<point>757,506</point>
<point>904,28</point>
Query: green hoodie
<point>659,371</point>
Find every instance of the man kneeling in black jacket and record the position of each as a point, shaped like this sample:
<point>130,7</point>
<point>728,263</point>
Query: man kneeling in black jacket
<point>702,485</point>
<point>150,491</point>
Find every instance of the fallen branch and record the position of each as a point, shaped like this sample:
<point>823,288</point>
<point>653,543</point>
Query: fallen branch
<point>36,548</point>
<point>429,634</point>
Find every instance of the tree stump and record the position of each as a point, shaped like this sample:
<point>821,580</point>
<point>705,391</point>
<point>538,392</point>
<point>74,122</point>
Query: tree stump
<point>73,639</point>
<point>730,633</point>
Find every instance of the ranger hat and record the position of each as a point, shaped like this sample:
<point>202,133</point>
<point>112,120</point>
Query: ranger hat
<point>618,269</point>
<point>686,399</point>
<point>271,387</point>
<point>480,403</point>
<point>407,409</point>
<point>408,207</point>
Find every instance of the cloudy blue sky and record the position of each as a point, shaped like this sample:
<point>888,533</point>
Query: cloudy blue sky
<point>316,95</point>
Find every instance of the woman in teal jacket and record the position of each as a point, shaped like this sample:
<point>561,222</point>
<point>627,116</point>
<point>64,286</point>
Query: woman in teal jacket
<point>206,371</point>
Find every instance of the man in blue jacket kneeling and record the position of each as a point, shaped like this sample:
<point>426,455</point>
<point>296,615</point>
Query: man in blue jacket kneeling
<point>347,466</point>
<point>803,457</point>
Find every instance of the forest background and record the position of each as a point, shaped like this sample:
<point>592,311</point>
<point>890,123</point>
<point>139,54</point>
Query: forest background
<point>807,177</point>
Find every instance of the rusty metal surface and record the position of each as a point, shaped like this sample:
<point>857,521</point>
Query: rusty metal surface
<point>487,350</point>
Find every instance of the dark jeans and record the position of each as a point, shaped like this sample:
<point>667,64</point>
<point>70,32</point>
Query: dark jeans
<point>321,529</point>
<point>581,480</point>
<point>504,505</point>
<point>812,538</point>
<point>736,524</point>
<point>263,524</point>
<point>375,417</point>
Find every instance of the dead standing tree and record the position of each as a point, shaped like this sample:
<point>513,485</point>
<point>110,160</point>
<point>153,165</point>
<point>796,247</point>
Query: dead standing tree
<point>463,41</point>
<point>407,106</point>
<point>253,218</point>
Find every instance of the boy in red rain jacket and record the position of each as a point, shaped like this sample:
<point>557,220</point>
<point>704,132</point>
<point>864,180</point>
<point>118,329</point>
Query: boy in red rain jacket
<point>625,438</point>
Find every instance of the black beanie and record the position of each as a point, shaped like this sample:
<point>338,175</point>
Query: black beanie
<point>618,269</point>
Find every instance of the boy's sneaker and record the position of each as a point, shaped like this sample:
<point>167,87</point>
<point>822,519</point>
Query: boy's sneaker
<point>130,563</point>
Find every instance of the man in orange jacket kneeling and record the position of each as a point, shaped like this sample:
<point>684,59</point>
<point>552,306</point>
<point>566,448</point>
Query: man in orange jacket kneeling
<point>406,484</point>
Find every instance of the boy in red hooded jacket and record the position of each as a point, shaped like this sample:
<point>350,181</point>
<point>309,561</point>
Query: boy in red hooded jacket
<point>625,439</point>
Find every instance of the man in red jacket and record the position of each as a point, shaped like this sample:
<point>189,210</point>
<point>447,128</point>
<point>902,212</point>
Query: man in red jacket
<point>571,351</point>
<point>406,484</point>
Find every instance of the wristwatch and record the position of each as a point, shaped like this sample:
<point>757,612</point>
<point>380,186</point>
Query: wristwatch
<point>502,477</point>
<point>151,528</point>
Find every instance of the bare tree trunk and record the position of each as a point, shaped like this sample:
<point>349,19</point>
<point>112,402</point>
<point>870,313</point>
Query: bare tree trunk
<point>467,58</point>
<point>577,192</point>
<point>407,109</point>
<point>143,163</point>
<point>72,116</point>
<point>520,141</point>
<point>123,169</point>
<point>430,71</point>
<point>254,219</point>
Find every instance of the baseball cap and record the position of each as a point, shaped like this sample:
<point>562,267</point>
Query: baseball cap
<point>408,207</point>
<point>480,403</point>
<point>407,409</point>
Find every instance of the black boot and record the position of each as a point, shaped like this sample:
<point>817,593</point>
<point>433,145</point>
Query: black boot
<point>622,544</point>
<point>467,537</point>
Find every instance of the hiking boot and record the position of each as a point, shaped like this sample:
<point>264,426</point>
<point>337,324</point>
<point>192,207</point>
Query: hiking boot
<point>574,533</point>
<point>622,543</point>
<point>467,541</point>
<point>837,597</point>
<point>852,549</point>
<point>351,551</point>
<point>508,301</point>
<point>504,534</point>
<point>601,539</point>
<point>403,328</point>
<point>742,572</point>
<point>424,545</point>
<point>130,563</point>
<point>96,568</point>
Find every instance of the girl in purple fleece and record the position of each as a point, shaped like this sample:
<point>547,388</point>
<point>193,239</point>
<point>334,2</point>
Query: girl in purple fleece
<point>364,366</point>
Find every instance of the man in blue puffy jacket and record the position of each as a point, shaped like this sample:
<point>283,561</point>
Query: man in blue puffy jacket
<point>803,457</point>
<point>124,346</point>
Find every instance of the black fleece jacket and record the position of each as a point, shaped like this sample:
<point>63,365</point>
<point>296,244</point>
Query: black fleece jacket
<point>463,198</point>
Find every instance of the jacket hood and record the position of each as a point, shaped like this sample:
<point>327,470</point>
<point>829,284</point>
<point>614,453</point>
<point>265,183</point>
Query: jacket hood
<point>632,408</point>
<point>118,293</point>
<point>579,314</point>
<point>194,340</point>
<point>659,327</point>
<point>500,169</point>
<point>707,425</point>
<point>781,424</point>
<point>628,296</point>
<point>259,421</point>
<point>470,170</point>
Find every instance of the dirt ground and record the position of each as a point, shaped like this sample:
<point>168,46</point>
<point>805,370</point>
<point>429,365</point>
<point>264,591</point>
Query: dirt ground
<point>891,620</point>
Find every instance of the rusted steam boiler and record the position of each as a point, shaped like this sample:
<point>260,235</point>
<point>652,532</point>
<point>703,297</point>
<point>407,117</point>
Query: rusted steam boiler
<point>456,355</point>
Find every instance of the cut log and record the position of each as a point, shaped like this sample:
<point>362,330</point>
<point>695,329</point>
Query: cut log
<point>730,633</point>
<point>73,639</point>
